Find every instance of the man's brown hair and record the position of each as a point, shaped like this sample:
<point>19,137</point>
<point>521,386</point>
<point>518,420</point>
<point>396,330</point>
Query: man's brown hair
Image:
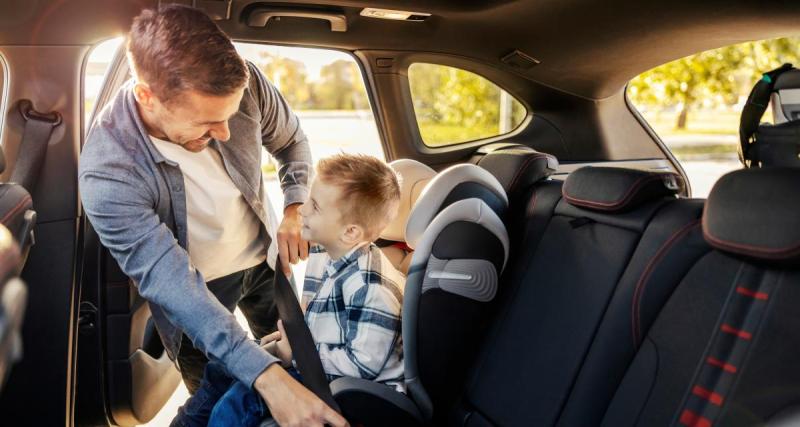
<point>370,191</point>
<point>178,48</point>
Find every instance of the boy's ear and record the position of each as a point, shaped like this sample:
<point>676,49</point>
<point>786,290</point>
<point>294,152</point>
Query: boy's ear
<point>353,233</point>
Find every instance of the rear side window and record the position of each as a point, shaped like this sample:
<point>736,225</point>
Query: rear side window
<point>95,74</point>
<point>454,105</point>
<point>694,103</point>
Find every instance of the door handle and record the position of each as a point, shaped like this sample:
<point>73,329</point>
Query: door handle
<point>261,16</point>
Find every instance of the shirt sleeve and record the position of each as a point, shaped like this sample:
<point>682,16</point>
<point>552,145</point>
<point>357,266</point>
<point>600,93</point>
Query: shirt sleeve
<point>283,138</point>
<point>371,331</point>
<point>121,211</point>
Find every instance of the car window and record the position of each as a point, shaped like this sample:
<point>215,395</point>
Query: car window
<point>454,105</point>
<point>94,75</point>
<point>325,88</point>
<point>694,103</point>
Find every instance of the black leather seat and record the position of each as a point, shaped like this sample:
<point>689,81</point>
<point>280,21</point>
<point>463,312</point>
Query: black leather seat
<point>577,242</point>
<point>723,351</point>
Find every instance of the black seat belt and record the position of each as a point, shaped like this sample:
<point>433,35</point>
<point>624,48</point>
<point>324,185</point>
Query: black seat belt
<point>38,129</point>
<point>304,351</point>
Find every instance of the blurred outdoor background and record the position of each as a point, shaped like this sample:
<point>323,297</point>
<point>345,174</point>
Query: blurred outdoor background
<point>693,104</point>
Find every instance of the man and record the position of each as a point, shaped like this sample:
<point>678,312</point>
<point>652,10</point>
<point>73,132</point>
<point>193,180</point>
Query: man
<point>170,178</point>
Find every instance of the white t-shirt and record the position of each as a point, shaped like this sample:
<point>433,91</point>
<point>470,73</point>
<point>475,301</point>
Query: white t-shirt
<point>223,231</point>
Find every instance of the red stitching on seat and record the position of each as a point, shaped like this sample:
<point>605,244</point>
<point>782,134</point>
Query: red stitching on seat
<point>728,329</point>
<point>690,419</point>
<point>15,209</point>
<point>745,249</point>
<point>752,294</point>
<point>639,290</point>
<point>521,171</point>
<point>709,395</point>
<point>640,182</point>
<point>727,367</point>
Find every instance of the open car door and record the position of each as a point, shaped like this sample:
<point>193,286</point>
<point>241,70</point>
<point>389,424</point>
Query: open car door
<point>124,376</point>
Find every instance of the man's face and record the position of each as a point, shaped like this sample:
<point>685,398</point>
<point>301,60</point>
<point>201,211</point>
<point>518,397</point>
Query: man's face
<point>192,118</point>
<point>322,216</point>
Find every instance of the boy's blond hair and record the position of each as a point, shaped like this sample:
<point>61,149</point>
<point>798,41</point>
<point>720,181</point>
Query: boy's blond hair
<point>370,191</point>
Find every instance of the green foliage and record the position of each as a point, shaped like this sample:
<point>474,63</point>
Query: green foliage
<point>454,105</point>
<point>289,76</point>
<point>711,78</point>
<point>340,88</point>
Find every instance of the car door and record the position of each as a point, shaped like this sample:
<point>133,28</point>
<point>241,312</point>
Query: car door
<point>124,375</point>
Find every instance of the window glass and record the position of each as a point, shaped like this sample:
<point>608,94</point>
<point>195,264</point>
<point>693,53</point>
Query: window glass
<point>454,106</point>
<point>94,76</point>
<point>694,103</point>
<point>326,90</point>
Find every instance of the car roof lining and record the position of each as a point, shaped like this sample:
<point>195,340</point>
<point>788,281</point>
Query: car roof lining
<point>590,49</point>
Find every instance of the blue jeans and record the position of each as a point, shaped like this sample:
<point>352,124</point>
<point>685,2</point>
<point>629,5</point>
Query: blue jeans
<point>223,401</point>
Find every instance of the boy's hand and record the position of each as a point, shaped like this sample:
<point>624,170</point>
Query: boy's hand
<point>266,339</point>
<point>283,350</point>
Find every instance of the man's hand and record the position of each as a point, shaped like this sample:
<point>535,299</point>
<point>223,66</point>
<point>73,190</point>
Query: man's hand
<point>291,404</point>
<point>291,247</point>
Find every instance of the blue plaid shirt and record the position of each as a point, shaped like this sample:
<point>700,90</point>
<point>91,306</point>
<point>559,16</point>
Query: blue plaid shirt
<point>353,309</point>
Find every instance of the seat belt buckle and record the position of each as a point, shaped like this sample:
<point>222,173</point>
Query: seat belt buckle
<point>29,113</point>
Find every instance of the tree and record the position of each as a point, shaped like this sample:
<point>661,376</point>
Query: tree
<point>454,105</point>
<point>288,76</point>
<point>340,87</point>
<point>712,77</point>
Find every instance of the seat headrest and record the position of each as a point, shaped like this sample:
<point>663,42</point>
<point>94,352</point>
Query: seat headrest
<point>458,182</point>
<point>413,177</point>
<point>518,167</point>
<point>786,98</point>
<point>613,189</point>
<point>755,213</point>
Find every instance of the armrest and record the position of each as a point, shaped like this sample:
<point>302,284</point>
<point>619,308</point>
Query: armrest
<point>374,404</point>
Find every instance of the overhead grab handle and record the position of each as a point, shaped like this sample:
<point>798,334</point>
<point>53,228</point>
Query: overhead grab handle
<point>259,17</point>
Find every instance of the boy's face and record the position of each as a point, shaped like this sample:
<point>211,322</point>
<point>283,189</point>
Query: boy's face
<point>322,218</point>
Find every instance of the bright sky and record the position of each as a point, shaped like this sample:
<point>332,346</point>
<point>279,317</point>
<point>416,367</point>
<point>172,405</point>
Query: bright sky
<point>314,59</point>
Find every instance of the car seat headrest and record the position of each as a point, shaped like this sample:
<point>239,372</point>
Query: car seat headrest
<point>766,144</point>
<point>786,97</point>
<point>413,177</point>
<point>458,182</point>
<point>517,167</point>
<point>754,213</point>
<point>612,189</point>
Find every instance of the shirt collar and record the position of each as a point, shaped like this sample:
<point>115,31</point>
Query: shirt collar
<point>130,102</point>
<point>333,267</point>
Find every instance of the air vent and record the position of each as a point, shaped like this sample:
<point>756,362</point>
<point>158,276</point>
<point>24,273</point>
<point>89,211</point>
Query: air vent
<point>520,60</point>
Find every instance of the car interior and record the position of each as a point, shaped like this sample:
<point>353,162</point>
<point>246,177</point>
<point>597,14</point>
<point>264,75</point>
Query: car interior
<point>559,274</point>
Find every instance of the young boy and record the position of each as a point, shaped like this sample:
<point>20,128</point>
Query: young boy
<point>352,293</point>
